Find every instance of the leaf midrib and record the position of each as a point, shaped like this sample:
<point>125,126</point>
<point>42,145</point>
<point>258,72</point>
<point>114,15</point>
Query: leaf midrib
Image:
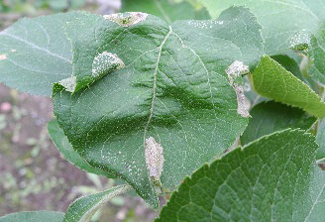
<point>154,88</point>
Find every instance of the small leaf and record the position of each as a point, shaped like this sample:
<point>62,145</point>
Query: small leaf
<point>33,216</point>
<point>269,117</point>
<point>317,52</point>
<point>35,53</point>
<point>286,23</point>
<point>84,208</point>
<point>271,80</point>
<point>272,179</point>
<point>167,10</point>
<point>173,88</point>
<point>65,148</point>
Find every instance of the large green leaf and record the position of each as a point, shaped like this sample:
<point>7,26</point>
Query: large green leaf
<point>317,52</point>
<point>173,90</point>
<point>286,23</point>
<point>269,117</point>
<point>168,10</point>
<point>272,80</point>
<point>33,216</point>
<point>273,179</point>
<point>35,53</point>
<point>84,208</point>
<point>65,148</point>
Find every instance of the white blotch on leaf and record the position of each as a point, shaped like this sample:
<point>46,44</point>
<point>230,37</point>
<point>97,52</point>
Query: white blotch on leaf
<point>69,83</point>
<point>154,158</point>
<point>301,37</point>
<point>3,57</point>
<point>234,72</point>
<point>106,62</point>
<point>127,19</point>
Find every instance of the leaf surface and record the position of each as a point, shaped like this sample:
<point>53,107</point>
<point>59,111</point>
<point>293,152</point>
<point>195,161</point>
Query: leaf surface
<point>169,11</point>
<point>35,53</point>
<point>271,80</point>
<point>65,148</point>
<point>320,140</point>
<point>269,117</point>
<point>85,207</point>
<point>173,88</point>
<point>33,216</point>
<point>317,52</point>
<point>272,179</point>
<point>286,23</point>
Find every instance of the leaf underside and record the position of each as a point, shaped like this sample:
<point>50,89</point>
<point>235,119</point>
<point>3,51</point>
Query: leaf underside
<point>85,207</point>
<point>271,80</point>
<point>33,216</point>
<point>35,53</point>
<point>269,117</point>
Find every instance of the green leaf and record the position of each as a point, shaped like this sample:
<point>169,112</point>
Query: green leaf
<point>286,23</point>
<point>317,52</point>
<point>269,117</point>
<point>35,53</point>
<point>84,208</point>
<point>273,179</point>
<point>272,80</point>
<point>320,140</point>
<point>173,90</point>
<point>167,10</point>
<point>33,216</point>
<point>65,148</point>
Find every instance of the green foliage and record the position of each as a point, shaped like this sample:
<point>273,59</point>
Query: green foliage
<point>272,179</point>
<point>63,145</point>
<point>84,208</point>
<point>269,117</point>
<point>33,216</point>
<point>273,81</point>
<point>286,23</point>
<point>168,10</point>
<point>168,98</point>
<point>151,100</point>
<point>36,53</point>
<point>317,52</point>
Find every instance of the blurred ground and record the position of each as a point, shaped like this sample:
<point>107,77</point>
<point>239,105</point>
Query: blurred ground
<point>33,175</point>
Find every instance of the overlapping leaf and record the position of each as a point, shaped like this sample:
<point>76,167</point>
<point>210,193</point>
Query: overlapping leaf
<point>269,117</point>
<point>286,23</point>
<point>273,179</point>
<point>172,87</point>
<point>168,10</point>
<point>272,80</point>
<point>65,148</point>
<point>35,53</point>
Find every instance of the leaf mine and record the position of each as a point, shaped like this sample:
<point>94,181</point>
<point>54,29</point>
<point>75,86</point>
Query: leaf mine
<point>154,158</point>
<point>69,83</point>
<point>234,72</point>
<point>127,19</point>
<point>106,62</point>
